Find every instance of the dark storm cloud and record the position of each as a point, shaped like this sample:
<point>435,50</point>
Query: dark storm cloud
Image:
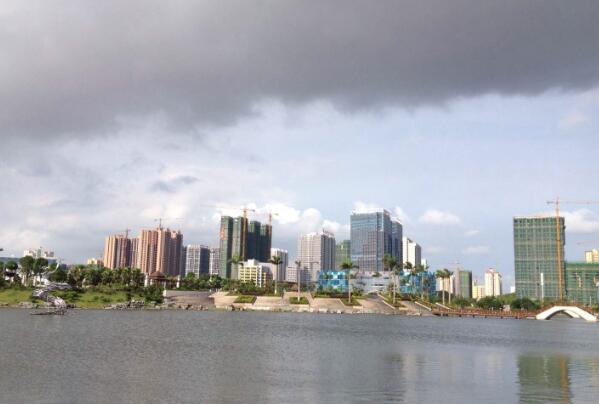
<point>85,67</point>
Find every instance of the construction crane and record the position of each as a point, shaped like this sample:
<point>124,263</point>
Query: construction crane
<point>126,231</point>
<point>161,219</point>
<point>245,211</point>
<point>270,215</point>
<point>558,239</point>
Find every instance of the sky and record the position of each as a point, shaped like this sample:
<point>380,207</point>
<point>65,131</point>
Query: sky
<point>454,116</point>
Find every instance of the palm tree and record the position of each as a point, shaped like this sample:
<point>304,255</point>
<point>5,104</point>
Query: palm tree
<point>347,265</point>
<point>276,260</point>
<point>390,264</point>
<point>298,263</point>
<point>440,274</point>
<point>448,274</point>
<point>236,260</point>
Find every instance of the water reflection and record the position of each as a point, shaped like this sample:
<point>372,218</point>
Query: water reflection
<point>544,378</point>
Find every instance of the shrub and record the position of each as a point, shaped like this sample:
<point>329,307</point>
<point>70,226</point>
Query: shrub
<point>524,304</point>
<point>301,300</point>
<point>245,299</point>
<point>153,293</point>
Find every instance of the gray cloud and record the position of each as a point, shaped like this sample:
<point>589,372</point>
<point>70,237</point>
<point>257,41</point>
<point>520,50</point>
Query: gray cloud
<point>174,184</point>
<point>88,67</point>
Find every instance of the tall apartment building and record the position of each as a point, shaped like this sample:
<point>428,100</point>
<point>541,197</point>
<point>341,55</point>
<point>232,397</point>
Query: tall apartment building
<point>396,241</point>
<point>214,261</point>
<point>592,256</point>
<point>492,283</point>
<point>478,291</point>
<point>536,257</point>
<point>462,283</point>
<point>133,251</point>
<point>197,259</point>
<point>582,282</point>
<point>374,234</point>
<point>316,252</point>
<point>342,253</point>
<point>279,273</point>
<point>411,251</point>
<point>244,239</point>
<point>160,250</point>
<point>117,252</point>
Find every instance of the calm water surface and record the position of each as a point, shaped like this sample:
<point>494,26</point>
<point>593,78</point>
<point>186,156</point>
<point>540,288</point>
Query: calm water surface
<point>176,356</point>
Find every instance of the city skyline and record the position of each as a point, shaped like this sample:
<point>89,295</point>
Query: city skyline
<point>457,136</point>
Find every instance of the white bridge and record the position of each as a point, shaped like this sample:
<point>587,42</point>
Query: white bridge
<point>572,311</point>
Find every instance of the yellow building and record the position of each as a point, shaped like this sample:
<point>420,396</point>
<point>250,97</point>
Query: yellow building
<point>592,257</point>
<point>254,272</point>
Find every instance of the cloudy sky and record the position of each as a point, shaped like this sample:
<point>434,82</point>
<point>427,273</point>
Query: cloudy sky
<point>454,116</point>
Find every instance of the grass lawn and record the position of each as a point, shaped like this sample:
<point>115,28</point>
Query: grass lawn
<point>354,301</point>
<point>15,296</point>
<point>389,299</point>
<point>245,299</point>
<point>95,299</point>
<point>87,300</point>
<point>301,300</point>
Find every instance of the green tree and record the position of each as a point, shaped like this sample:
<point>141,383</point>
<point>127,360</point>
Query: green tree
<point>347,265</point>
<point>440,274</point>
<point>489,303</point>
<point>27,266</point>
<point>524,304</point>
<point>40,265</point>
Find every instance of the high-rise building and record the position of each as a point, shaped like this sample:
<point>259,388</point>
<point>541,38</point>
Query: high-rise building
<point>38,253</point>
<point>492,283</point>
<point>591,256</point>
<point>462,283</point>
<point>316,252</point>
<point>342,253</point>
<point>243,239</point>
<point>197,259</point>
<point>412,252</point>
<point>291,274</point>
<point>279,273</point>
<point>478,291</point>
<point>582,282</point>
<point>117,251</point>
<point>255,272</point>
<point>133,250</point>
<point>536,254</point>
<point>374,234</point>
<point>160,250</point>
<point>214,261</point>
<point>396,241</point>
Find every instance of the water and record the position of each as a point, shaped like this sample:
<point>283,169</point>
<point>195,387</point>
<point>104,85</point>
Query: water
<point>178,356</point>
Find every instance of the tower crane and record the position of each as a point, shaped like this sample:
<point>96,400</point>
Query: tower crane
<point>161,219</point>
<point>245,211</point>
<point>558,239</point>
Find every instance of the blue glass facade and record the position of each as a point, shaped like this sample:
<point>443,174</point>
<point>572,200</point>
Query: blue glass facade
<point>336,280</point>
<point>373,235</point>
<point>423,282</point>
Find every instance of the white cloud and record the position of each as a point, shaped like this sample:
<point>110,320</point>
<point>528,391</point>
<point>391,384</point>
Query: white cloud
<point>401,214</point>
<point>581,221</point>
<point>472,233</point>
<point>366,207</point>
<point>438,217</point>
<point>572,119</point>
<point>476,250</point>
<point>341,231</point>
